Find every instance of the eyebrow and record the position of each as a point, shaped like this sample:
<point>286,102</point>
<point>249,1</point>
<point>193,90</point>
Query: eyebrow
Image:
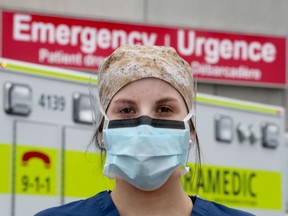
<point>167,99</point>
<point>124,100</point>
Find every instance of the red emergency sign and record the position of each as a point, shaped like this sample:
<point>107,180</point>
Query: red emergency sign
<point>83,44</point>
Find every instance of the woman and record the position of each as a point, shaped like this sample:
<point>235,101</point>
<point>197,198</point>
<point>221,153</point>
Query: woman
<point>146,99</point>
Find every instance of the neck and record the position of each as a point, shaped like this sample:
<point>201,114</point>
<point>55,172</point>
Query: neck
<point>170,199</point>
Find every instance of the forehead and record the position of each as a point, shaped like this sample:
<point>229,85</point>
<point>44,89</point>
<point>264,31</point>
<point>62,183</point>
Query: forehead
<point>148,86</point>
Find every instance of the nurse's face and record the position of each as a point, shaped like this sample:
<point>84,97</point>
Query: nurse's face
<point>147,97</point>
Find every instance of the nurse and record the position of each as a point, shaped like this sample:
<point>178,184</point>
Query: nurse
<point>145,128</point>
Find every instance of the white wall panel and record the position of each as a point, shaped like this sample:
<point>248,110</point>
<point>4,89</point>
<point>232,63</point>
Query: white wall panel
<point>260,95</point>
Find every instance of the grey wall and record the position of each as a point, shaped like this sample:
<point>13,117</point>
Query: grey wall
<point>128,10</point>
<point>248,16</point>
<point>255,16</point>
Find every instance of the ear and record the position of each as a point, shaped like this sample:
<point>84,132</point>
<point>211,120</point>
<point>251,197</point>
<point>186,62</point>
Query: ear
<point>192,131</point>
<point>100,138</point>
<point>192,135</point>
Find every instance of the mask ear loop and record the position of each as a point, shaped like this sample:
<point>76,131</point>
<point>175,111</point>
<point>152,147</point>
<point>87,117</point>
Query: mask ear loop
<point>97,110</point>
<point>191,115</point>
<point>194,103</point>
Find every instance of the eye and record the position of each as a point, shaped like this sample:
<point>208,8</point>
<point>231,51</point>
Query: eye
<point>127,110</point>
<point>164,109</point>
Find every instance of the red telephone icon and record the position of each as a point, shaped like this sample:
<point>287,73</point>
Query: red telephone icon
<point>36,154</point>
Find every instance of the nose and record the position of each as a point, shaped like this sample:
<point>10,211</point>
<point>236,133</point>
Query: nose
<point>146,110</point>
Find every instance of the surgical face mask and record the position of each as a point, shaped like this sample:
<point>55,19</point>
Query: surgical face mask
<point>145,151</point>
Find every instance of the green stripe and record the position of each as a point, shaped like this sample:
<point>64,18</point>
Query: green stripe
<point>51,74</point>
<point>242,106</point>
<point>95,81</point>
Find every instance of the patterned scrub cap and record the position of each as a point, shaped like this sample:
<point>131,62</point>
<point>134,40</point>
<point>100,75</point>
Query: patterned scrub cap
<point>130,63</point>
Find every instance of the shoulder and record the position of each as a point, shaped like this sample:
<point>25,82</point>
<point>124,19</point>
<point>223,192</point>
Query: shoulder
<point>207,208</point>
<point>100,204</point>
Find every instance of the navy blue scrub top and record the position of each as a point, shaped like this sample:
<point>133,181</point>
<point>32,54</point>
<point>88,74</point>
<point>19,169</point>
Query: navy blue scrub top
<point>102,205</point>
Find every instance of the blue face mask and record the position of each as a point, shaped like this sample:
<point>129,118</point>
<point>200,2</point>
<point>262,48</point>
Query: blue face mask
<point>145,151</point>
